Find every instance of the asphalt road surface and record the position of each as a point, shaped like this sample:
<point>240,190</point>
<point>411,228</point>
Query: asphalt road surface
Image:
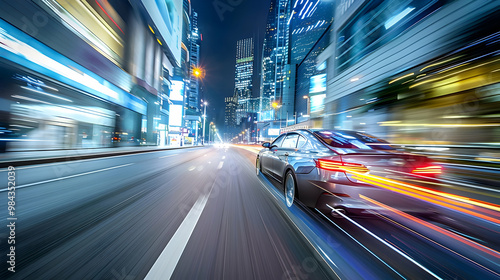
<point>203,213</point>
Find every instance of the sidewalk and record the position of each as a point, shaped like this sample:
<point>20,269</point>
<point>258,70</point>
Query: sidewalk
<point>41,157</point>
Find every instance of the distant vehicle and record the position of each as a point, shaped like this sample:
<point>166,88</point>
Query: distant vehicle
<point>311,166</point>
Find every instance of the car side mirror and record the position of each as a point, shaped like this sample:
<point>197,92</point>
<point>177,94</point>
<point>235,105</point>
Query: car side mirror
<point>266,145</point>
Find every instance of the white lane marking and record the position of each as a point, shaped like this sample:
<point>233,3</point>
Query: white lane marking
<point>385,243</point>
<point>191,168</point>
<point>168,156</point>
<point>165,265</point>
<point>220,165</point>
<point>224,157</point>
<point>67,177</point>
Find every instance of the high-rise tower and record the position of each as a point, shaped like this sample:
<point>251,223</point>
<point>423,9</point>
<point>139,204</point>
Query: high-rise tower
<point>275,59</point>
<point>243,75</point>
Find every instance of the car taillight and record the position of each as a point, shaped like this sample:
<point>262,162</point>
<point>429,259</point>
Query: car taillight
<point>432,169</point>
<point>333,165</point>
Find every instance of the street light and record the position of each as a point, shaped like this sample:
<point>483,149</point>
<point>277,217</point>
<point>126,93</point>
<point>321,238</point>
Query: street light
<point>275,106</point>
<point>209,129</point>
<point>308,100</point>
<point>204,121</point>
<point>198,72</point>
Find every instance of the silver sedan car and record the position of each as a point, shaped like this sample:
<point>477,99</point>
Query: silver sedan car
<point>319,167</point>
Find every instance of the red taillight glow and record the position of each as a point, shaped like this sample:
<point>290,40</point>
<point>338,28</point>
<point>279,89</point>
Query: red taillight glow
<point>333,165</point>
<point>433,169</point>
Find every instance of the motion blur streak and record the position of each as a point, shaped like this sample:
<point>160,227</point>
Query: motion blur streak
<point>437,243</point>
<point>449,198</point>
<point>432,199</point>
<point>436,228</point>
<point>476,202</point>
<point>422,190</point>
<point>253,149</point>
<point>385,242</point>
<point>358,242</point>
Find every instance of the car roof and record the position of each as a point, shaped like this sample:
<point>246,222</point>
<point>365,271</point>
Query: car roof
<point>312,130</point>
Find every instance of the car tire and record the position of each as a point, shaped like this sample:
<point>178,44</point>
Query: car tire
<point>257,166</point>
<point>290,187</point>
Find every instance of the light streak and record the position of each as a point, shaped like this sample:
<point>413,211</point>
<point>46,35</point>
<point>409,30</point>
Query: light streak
<point>436,228</point>
<point>385,242</point>
<point>111,18</point>
<point>455,202</point>
<point>433,241</point>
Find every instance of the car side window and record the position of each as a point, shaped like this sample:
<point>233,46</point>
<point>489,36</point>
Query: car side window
<point>278,141</point>
<point>302,141</point>
<point>290,141</point>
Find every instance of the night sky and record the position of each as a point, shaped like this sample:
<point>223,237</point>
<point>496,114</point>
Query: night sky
<point>218,48</point>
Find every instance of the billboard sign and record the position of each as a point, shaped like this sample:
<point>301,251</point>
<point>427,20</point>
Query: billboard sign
<point>177,91</point>
<point>317,83</point>
<point>175,118</point>
<point>318,103</point>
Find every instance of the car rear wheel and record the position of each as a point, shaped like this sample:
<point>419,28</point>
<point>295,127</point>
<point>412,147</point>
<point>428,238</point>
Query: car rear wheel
<point>257,166</point>
<point>289,188</point>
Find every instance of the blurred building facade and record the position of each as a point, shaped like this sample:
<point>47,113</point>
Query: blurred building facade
<point>418,71</point>
<point>83,74</point>
<point>423,71</point>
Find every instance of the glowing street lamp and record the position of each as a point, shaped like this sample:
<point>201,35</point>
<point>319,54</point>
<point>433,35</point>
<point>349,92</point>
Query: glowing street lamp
<point>308,101</point>
<point>275,106</point>
<point>198,72</point>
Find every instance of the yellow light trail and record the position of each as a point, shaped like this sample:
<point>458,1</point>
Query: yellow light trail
<point>489,211</point>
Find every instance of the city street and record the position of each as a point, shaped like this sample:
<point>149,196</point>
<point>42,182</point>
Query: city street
<point>264,139</point>
<point>202,213</point>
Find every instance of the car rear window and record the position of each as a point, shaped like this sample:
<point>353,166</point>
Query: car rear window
<point>353,140</point>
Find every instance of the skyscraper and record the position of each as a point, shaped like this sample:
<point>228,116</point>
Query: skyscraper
<point>230,112</point>
<point>309,21</point>
<point>275,58</point>
<point>243,75</point>
<point>191,45</point>
<point>267,82</point>
<point>310,34</point>
<point>194,60</point>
